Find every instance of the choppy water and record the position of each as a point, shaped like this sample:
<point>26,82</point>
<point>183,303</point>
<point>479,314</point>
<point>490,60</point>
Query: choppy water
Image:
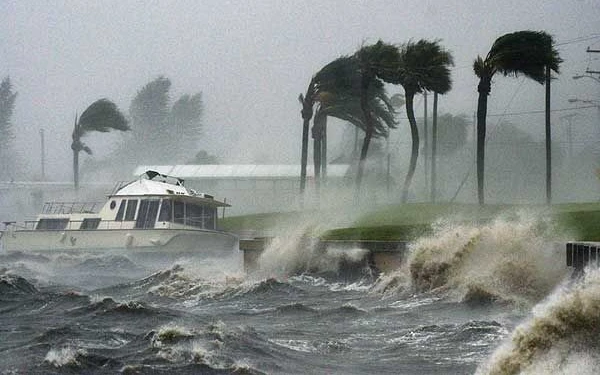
<point>469,299</point>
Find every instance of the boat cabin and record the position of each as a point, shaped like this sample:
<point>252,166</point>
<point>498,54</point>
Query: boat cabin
<point>154,201</point>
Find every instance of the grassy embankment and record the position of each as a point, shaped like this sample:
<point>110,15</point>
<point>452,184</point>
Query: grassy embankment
<point>406,222</point>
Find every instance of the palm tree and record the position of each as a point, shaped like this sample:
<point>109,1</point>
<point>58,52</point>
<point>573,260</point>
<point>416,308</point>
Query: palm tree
<point>101,116</point>
<point>423,66</point>
<point>333,77</point>
<point>339,83</point>
<point>345,104</point>
<point>527,52</point>
<point>377,64</point>
<point>307,101</point>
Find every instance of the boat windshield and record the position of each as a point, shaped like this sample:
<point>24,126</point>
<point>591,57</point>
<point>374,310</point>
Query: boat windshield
<point>187,213</point>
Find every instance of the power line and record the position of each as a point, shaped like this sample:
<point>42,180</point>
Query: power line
<point>579,39</point>
<point>543,111</point>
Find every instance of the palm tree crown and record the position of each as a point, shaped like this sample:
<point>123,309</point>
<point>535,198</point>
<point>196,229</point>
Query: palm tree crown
<point>521,52</point>
<point>101,116</point>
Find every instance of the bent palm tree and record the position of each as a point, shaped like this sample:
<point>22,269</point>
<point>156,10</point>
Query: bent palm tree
<point>344,103</point>
<point>101,116</point>
<point>423,66</point>
<point>523,52</point>
<point>332,78</point>
<point>376,65</point>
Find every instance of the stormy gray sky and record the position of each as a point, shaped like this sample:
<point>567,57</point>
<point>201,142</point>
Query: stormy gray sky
<point>251,59</point>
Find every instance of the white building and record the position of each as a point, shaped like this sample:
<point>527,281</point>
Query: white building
<point>252,188</point>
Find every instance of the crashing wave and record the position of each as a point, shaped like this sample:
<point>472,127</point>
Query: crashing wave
<point>15,285</point>
<point>507,259</point>
<point>560,337</point>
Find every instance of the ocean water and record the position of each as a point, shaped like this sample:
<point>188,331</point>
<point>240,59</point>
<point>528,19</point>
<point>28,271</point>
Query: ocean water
<point>484,299</point>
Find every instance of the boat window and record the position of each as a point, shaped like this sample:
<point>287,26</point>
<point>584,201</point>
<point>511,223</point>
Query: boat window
<point>90,223</point>
<point>131,207</point>
<point>121,211</point>
<point>52,224</point>
<point>210,213</point>
<point>178,212</point>
<point>147,213</point>
<point>193,215</point>
<point>165,211</point>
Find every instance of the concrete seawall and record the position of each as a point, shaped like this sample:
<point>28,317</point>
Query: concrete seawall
<point>582,254</point>
<point>382,256</point>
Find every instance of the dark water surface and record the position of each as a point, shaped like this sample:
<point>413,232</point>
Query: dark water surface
<point>107,313</point>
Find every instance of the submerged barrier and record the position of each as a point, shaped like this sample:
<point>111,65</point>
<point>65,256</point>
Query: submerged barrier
<point>583,254</point>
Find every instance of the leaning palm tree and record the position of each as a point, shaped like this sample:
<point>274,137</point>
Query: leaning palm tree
<point>529,53</point>
<point>345,104</point>
<point>423,66</point>
<point>334,77</point>
<point>377,64</point>
<point>101,116</point>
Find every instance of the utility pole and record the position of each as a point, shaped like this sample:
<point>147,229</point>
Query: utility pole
<point>569,118</point>
<point>589,50</point>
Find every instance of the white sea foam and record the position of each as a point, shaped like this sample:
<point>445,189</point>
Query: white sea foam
<point>66,355</point>
<point>510,258</point>
<point>296,251</point>
<point>561,336</point>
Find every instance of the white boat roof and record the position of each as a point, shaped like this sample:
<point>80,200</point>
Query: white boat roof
<point>152,183</point>
<point>240,171</point>
<point>149,187</point>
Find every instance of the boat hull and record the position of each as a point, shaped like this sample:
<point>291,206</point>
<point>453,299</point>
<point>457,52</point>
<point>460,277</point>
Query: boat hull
<point>129,240</point>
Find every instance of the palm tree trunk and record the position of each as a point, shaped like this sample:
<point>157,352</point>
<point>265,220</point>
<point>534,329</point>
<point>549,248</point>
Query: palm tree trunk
<point>76,147</point>
<point>304,158</point>
<point>307,112</point>
<point>366,110</point>
<point>425,140</point>
<point>76,169</point>
<point>414,132</point>
<point>317,147</point>
<point>484,89</point>
<point>324,151</point>
<point>548,141</point>
<point>361,163</point>
<point>434,146</point>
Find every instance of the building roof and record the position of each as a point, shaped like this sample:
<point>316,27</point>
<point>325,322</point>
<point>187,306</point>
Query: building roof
<point>240,171</point>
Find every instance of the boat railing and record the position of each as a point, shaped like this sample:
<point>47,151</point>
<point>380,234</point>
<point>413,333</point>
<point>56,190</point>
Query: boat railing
<point>93,225</point>
<point>118,185</point>
<point>71,207</point>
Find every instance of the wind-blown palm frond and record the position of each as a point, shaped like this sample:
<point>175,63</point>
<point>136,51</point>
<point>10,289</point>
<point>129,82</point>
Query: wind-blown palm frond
<point>349,109</point>
<point>102,116</point>
<point>424,66</point>
<point>380,59</point>
<point>524,52</point>
<point>341,77</point>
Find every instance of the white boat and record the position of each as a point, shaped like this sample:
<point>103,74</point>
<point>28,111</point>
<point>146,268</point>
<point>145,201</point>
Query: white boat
<point>155,213</point>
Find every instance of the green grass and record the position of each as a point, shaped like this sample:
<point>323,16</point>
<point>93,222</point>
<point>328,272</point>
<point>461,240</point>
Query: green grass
<point>580,221</point>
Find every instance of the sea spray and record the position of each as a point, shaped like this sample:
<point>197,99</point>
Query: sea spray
<point>298,250</point>
<point>510,258</point>
<point>560,337</point>
<point>64,356</point>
